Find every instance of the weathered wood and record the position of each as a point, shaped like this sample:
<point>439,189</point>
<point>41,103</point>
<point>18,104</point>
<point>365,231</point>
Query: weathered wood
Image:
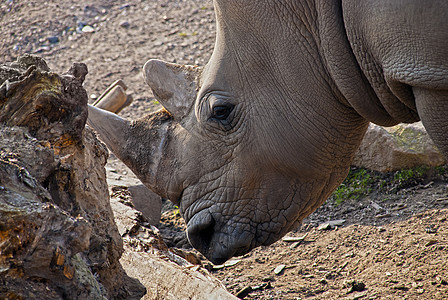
<point>114,98</point>
<point>167,274</point>
<point>59,238</point>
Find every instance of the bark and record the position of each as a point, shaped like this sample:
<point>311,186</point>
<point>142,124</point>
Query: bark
<point>58,235</point>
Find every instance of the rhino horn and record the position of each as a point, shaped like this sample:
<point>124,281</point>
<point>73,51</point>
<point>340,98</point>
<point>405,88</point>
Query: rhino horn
<point>174,86</point>
<point>112,129</point>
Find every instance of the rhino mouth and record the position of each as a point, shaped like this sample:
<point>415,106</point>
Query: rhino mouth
<point>215,240</point>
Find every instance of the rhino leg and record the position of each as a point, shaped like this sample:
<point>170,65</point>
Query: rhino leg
<point>432,106</point>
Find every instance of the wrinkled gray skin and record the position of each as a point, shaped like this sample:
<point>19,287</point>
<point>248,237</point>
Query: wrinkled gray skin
<point>260,137</point>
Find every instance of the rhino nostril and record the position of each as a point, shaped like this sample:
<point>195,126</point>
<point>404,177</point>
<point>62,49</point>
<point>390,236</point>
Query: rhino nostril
<point>200,231</point>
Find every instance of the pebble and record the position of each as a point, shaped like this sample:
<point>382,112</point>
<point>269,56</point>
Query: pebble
<point>232,262</point>
<point>42,49</point>
<point>431,229</point>
<point>268,279</point>
<point>88,29</point>
<point>399,206</point>
<point>420,291</point>
<point>294,238</point>
<point>431,242</point>
<point>380,216</point>
<point>356,286</point>
<point>330,224</point>
<point>262,286</point>
<point>244,292</point>
<point>381,229</point>
<point>217,267</point>
<point>125,24</point>
<point>428,185</point>
<point>279,269</point>
<point>53,39</point>
<point>227,264</point>
<point>124,6</point>
<point>376,206</point>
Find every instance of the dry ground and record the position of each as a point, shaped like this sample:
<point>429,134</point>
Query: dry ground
<point>394,243</point>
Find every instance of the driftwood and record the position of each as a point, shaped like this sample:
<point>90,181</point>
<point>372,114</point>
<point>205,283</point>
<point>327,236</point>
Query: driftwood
<point>58,236</point>
<point>167,273</point>
<point>114,98</point>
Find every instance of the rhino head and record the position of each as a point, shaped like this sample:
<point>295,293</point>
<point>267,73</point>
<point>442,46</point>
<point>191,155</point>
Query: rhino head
<point>245,146</point>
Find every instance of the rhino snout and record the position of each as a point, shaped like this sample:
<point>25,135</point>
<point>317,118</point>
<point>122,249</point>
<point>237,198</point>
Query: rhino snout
<point>204,233</point>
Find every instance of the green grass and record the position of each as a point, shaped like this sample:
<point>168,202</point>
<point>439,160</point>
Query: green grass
<point>361,182</point>
<point>356,184</point>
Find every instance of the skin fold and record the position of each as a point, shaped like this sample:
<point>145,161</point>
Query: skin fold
<point>255,141</point>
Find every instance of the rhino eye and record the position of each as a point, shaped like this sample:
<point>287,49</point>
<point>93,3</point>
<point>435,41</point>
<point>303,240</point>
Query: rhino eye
<point>222,112</point>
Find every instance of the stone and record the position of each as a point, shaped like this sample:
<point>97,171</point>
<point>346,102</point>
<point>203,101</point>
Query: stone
<point>279,269</point>
<point>403,146</point>
<point>330,224</point>
<point>147,202</point>
<point>244,292</point>
<point>125,24</point>
<point>88,29</point>
<point>53,39</point>
<point>291,239</point>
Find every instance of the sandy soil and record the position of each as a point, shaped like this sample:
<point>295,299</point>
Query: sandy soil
<point>393,243</point>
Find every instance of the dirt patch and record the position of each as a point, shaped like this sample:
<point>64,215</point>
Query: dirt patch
<point>393,242</point>
<point>396,251</point>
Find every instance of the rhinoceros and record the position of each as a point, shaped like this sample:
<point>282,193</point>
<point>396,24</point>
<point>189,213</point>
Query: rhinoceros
<point>257,139</point>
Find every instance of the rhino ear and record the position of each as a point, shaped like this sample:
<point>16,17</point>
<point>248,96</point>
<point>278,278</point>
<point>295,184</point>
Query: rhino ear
<point>174,86</point>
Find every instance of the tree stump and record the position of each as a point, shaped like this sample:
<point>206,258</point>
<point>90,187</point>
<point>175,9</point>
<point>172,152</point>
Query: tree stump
<point>58,235</point>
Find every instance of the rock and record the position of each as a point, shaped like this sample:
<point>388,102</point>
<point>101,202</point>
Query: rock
<point>402,146</point>
<point>88,29</point>
<point>355,286</point>
<point>232,262</point>
<point>53,39</point>
<point>139,197</point>
<point>382,216</point>
<point>292,239</point>
<point>330,224</point>
<point>59,238</point>
<point>376,206</point>
<point>229,263</point>
<point>124,6</point>
<point>244,292</point>
<point>279,269</point>
<point>431,242</point>
<point>147,202</point>
<point>125,24</point>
